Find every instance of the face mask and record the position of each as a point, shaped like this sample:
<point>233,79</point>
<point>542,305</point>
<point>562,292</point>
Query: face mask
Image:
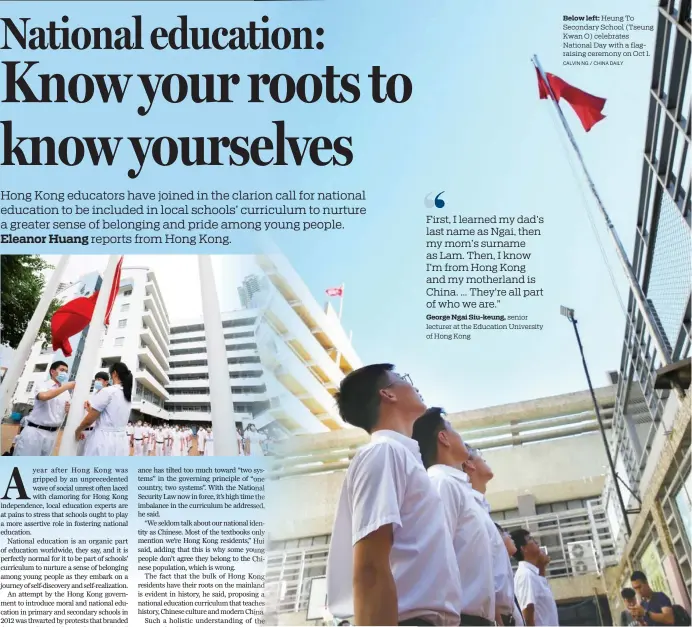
<point>98,385</point>
<point>110,381</point>
<point>62,377</point>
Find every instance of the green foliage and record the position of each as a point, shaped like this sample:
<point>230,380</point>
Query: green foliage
<point>21,284</point>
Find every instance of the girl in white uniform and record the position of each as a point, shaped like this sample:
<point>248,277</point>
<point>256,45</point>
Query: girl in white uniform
<point>209,444</point>
<point>255,439</point>
<point>101,380</point>
<point>201,434</point>
<point>109,413</point>
<point>177,444</point>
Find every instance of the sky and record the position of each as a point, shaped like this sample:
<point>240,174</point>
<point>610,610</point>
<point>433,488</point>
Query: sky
<point>474,128</point>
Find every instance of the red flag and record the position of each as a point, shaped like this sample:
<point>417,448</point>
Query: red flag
<point>335,291</point>
<point>114,291</point>
<point>72,318</point>
<point>587,107</point>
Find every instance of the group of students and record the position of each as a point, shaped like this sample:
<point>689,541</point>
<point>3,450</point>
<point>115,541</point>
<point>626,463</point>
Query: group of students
<point>167,440</point>
<point>106,414</point>
<point>106,429</point>
<point>413,542</point>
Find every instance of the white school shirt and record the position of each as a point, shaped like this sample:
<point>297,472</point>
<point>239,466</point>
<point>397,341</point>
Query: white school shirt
<point>49,413</point>
<point>466,522</point>
<point>502,566</point>
<point>531,588</point>
<point>386,483</point>
<point>113,408</point>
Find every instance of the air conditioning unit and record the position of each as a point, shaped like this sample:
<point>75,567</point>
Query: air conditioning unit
<point>582,557</point>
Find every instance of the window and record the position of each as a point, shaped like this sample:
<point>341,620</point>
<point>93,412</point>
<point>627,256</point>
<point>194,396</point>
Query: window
<point>40,367</point>
<point>125,307</point>
<point>119,341</point>
<point>127,293</point>
<point>30,386</point>
<point>122,323</point>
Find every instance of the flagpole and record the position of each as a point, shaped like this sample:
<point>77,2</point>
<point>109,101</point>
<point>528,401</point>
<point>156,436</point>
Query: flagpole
<point>341,303</point>
<point>639,296</point>
<point>89,362</point>
<point>21,355</point>
<point>220,394</point>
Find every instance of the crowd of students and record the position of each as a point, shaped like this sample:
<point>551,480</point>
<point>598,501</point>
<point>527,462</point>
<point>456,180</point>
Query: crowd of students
<point>105,429</point>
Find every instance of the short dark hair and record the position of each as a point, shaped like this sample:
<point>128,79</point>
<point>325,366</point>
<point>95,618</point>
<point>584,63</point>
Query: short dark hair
<point>628,593</point>
<point>519,538</point>
<point>56,364</point>
<point>104,376</point>
<point>638,575</point>
<point>425,432</point>
<point>358,397</point>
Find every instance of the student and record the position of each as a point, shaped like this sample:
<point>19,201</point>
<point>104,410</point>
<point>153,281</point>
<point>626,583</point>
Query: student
<point>629,597</point>
<point>159,441</point>
<point>52,403</point>
<point>201,434</point>
<point>109,414</point>
<point>391,559</point>
<point>138,438</point>
<point>533,591</point>
<point>655,608</point>
<point>209,444</point>
<point>480,474</point>
<point>516,618</point>
<point>443,453</point>
<point>254,440</point>
<point>101,380</point>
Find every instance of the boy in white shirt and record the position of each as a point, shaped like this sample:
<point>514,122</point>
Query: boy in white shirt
<point>391,560</point>
<point>444,453</point>
<point>533,591</point>
<point>51,405</point>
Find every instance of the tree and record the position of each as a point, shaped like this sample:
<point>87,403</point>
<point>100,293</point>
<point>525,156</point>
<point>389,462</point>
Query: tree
<point>21,284</point>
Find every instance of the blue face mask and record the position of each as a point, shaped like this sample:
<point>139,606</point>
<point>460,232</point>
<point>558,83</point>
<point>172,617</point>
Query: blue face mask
<point>110,381</point>
<point>62,377</point>
<point>98,385</point>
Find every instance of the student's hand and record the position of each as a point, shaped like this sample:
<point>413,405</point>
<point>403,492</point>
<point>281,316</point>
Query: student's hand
<point>69,385</point>
<point>79,434</point>
<point>87,405</point>
<point>67,408</point>
<point>637,611</point>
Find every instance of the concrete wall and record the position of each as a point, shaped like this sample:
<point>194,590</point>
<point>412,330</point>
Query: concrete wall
<point>556,470</point>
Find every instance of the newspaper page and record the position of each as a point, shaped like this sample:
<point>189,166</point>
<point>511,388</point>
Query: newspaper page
<point>327,313</point>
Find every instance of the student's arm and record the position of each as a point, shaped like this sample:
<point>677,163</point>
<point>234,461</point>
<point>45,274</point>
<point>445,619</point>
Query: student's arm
<point>664,617</point>
<point>374,593</point>
<point>528,613</point>
<point>376,486</point>
<point>47,395</point>
<point>87,421</point>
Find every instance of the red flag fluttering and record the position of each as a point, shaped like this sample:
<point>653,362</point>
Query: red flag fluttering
<point>72,318</point>
<point>75,316</point>
<point>587,107</point>
<point>335,291</point>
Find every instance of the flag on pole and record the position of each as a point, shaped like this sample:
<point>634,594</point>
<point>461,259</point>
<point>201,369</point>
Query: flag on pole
<point>114,291</point>
<point>335,291</point>
<point>75,316</point>
<point>72,318</point>
<point>587,106</point>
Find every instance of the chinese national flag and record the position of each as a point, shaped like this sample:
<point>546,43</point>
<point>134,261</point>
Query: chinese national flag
<point>72,318</point>
<point>75,316</point>
<point>587,107</point>
<point>335,291</point>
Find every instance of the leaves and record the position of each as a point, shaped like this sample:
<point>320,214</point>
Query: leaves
<point>21,285</point>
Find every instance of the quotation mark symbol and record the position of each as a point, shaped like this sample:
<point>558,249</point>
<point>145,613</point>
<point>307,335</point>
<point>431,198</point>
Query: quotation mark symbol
<point>438,202</point>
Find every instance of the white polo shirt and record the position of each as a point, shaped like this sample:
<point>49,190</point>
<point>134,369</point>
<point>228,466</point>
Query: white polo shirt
<point>531,588</point>
<point>49,413</point>
<point>386,483</point>
<point>467,526</point>
<point>502,566</point>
